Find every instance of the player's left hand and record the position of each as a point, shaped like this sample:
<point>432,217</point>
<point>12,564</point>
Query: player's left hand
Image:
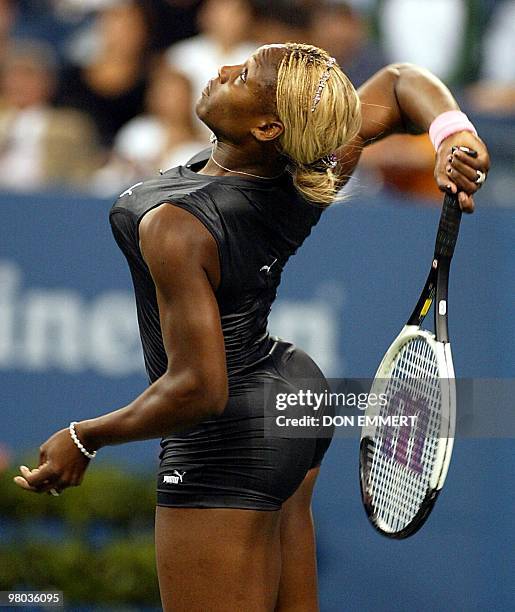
<point>461,161</point>
<point>61,465</point>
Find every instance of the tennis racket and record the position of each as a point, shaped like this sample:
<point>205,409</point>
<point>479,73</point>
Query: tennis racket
<point>403,468</point>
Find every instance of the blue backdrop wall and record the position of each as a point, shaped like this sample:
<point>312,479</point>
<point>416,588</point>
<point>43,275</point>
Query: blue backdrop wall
<point>69,350</point>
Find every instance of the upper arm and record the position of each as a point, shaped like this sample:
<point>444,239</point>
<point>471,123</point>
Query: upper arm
<point>179,252</point>
<point>402,98</point>
<point>380,116</point>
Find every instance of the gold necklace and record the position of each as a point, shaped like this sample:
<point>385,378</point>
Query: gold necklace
<point>266,178</point>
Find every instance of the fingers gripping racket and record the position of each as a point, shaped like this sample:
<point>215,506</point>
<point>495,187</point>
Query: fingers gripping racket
<point>403,468</point>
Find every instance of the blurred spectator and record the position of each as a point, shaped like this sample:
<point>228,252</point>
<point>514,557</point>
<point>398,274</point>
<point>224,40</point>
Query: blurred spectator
<point>167,20</point>
<point>7,19</point>
<point>111,83</point>
<point>38,20</point>
<point>402,163</point>
<point>344,32</point>
<point>164,137</point>
<point>441,35</point>
<point>172,20</point>
<point>39,145</point>
<point>226,38</point>
<point>495,93</point>
<point>280,21</point>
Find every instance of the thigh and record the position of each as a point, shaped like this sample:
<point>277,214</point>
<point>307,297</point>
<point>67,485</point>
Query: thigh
<point>298,588</point>
<point>219,559</point>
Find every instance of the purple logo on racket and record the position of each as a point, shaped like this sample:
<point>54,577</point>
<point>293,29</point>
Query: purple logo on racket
<point>403,403</point>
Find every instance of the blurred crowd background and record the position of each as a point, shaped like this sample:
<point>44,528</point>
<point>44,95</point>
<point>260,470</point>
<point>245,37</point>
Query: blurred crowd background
<point>98,94</point>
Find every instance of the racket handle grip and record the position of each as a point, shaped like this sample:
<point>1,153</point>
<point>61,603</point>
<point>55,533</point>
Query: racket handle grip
<point>449,227</point>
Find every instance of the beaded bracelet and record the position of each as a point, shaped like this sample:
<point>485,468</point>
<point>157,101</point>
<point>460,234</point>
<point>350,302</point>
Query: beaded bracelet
<point>78,443</point>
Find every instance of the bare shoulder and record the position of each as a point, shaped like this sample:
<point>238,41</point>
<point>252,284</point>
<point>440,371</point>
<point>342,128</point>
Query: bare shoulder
<point>170,228</point>
<point>170,236</point>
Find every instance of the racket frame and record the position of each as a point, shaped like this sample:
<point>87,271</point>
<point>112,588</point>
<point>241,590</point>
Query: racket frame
<point>435,290</point>
<point>445,436</point>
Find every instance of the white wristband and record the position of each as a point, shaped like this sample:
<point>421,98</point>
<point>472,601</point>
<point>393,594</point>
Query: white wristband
<point>78,443</point>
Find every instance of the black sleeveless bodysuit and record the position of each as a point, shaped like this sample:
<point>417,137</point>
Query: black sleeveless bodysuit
<point>258,224</point>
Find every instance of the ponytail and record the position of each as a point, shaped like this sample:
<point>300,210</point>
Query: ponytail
<point>320,186</point>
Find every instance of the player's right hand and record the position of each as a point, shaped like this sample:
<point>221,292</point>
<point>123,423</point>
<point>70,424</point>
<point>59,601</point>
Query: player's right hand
<point>461,160</point>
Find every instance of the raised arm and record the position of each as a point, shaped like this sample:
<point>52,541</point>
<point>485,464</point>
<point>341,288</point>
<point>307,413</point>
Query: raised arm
<point>183,260</point>
<point>403,98</point>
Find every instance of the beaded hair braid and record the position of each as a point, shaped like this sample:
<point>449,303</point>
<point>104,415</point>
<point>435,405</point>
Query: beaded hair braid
<point>323,80</point>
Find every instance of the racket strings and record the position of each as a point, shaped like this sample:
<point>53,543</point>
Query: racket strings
<point>403,458</point>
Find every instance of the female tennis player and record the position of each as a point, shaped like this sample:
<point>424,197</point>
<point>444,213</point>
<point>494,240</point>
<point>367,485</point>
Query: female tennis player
<point>206,244</point>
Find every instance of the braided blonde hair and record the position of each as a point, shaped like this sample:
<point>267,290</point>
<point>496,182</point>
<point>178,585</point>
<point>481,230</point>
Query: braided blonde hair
<point>321,111</point>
